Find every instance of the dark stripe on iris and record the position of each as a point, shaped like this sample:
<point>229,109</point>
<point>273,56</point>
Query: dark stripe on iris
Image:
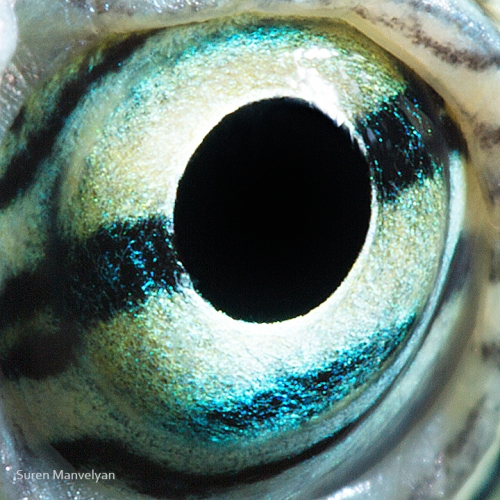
<point>40,355</point>
<point>307,395</point>
<point>118,267</point>
<point>156,480</point>
<point>23,168</point>
<point>46,344</point>
<point>408,139</point>
<point>25,293</point>
<point>22,296</point>
<point>112,271</point>
<point>432,106</point>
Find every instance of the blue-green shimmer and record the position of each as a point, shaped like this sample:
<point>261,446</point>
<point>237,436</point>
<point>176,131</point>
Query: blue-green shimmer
<point>295,399</point>
<point>403,144</point>
<point>156,367</point>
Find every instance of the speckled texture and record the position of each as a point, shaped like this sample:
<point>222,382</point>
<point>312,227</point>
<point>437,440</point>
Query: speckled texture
<point>443,450</point>
<point>203,383</point>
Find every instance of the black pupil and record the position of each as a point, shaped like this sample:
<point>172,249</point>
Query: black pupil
<point>272,210</point>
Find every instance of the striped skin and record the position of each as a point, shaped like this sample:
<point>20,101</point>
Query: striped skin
<point>453,437</point>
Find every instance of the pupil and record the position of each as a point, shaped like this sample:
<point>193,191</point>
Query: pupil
<point>272,210</point>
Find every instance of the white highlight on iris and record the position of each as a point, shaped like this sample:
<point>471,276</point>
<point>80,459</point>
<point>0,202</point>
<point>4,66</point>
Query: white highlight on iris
<point>313,87</point>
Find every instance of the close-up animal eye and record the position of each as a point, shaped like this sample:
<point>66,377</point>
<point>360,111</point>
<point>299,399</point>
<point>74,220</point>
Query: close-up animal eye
<point>249,250</point>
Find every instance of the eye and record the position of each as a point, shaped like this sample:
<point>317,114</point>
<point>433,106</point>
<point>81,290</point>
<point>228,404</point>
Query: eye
<point>135,303</point>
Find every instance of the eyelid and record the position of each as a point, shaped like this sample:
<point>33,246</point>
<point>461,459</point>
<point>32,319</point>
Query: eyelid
<point>492,8</point>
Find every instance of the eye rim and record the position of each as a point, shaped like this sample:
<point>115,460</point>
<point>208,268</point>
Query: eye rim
<point>367,104</point>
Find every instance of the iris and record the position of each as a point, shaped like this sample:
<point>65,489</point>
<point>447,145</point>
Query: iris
<point>240,234</point>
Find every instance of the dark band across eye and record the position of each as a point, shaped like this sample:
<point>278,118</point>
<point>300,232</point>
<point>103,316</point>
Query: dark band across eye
<point>28,159</point>
<point>246,231</point>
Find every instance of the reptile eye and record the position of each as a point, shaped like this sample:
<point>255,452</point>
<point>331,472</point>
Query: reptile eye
<point>245,257</point>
